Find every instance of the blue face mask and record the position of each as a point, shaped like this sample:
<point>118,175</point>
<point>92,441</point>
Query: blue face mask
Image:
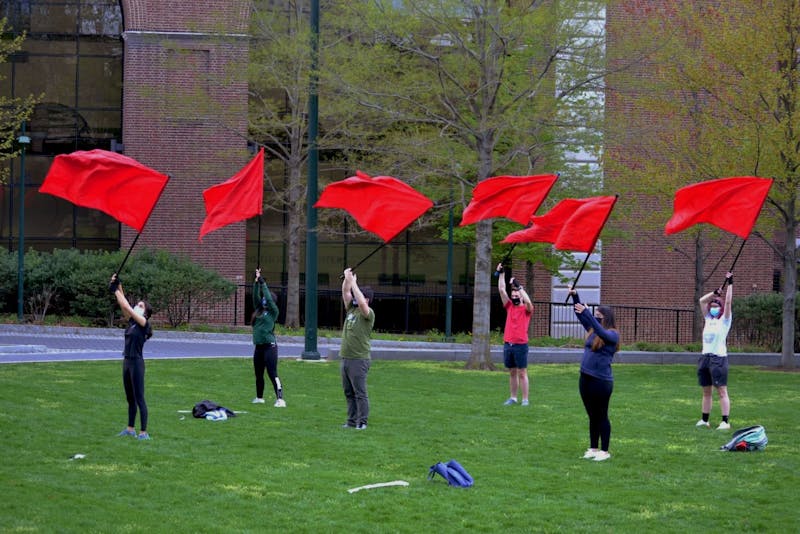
<point>714,312</point>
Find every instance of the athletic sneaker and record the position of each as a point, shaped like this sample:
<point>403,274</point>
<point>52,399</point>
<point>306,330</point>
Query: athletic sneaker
<point>143,436</point>
<point>509,402</point>
<point>601,456</point>
<point>258,400</point>
<point>280,403</point>
<point>362,426</point>
<point>590,453</point>
<point>702,423</point>
<point>126,432</point>
<point>348,425</point>
<point>724,426</point>
<point>525,402</point>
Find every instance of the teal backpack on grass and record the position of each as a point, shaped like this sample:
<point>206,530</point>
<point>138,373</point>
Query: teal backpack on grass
<point>752,438</point>
<point>453,473</point>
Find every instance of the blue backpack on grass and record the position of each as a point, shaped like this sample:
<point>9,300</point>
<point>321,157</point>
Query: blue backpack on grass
<point>752,438</point>
<point>453,473</point>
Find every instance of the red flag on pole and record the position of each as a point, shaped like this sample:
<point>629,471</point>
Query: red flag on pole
<point>512,197</point>
<point>382,205</point>
<point>117,185</point>
<point>573,224</point>
<point>732,204</point>
<point>236,199</point>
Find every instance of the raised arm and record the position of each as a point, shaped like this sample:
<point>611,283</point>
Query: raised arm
<point>501,284</point>
<point>347,283</point>
<point>728,296</point>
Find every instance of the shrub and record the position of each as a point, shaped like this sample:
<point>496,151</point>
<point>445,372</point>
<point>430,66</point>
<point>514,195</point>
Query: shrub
<point>757,320</point>
<point>70,282</point>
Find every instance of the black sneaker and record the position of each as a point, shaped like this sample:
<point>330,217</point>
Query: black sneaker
<point>362,426</point>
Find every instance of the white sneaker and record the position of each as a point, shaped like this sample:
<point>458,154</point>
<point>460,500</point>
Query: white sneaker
<point>702,423</point>
<point>601,455</point>
<point>724,426</point>
<point>258,400</point>
<point>280,403</point>
<point>590,453</point>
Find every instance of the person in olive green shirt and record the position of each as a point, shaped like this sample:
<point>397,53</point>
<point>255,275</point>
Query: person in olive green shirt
<point>355,349</point>
<point>265,355</point>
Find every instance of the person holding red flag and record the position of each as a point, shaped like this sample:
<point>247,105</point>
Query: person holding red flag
<point>519,310</point>
<point>712,367</point>
<point>355,349</point>
<point>265,354</point>
<point>596,383</point>
<point>137,332</point>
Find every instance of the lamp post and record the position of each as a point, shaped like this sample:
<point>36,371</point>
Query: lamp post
<point>24,141</point>
<point>311,352</point>
<point>448,322</point>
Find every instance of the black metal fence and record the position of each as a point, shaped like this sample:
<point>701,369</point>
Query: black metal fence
<point>419,311</point>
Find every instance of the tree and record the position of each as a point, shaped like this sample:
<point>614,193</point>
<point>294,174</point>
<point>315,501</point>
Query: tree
<point>13,111</point>
<point>489,82</point>
<point>728,80</point>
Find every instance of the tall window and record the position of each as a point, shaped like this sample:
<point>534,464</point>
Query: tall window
<point>72,57</point>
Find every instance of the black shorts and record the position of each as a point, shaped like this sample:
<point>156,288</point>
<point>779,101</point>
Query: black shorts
<point>712,370</point>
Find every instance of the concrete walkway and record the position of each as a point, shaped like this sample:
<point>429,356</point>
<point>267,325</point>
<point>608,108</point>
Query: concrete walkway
<point>32,343</point>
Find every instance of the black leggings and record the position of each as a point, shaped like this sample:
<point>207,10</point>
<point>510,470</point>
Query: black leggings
<point>596,394</point>
<point>265,356</point>
<point>133,380</point>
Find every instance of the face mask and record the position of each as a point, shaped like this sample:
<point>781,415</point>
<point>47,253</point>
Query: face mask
<point>354,303</point>
<point>714,312</point>
<point>515,301</point>
<point>138,311</point>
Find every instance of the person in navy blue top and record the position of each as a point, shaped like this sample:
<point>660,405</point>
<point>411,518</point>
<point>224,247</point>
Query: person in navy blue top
<point>596,381</point>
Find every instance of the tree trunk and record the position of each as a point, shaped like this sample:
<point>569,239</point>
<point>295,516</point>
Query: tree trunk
<point>480,355</point>
<point>293,243</point>
<point>699,278</point>
<point>789,289</point>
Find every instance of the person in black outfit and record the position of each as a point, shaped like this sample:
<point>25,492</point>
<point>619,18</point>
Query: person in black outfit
<point>596,380</point>
<point>137,332</point>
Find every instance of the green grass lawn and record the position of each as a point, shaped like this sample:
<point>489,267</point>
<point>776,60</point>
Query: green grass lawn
<point>289,469</point>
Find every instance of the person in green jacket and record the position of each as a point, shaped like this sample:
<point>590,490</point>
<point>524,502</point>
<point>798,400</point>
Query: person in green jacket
<point>355,349</point>
<point>265,355</point>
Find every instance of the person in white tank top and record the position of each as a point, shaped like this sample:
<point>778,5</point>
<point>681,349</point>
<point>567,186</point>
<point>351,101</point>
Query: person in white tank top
<point>712,367</point>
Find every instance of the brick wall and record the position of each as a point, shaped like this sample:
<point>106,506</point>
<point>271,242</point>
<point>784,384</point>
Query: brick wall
<point>185,114</point>
<point>646,269</point>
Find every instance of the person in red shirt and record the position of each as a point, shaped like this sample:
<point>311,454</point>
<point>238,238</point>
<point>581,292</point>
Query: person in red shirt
<point>519,309</point>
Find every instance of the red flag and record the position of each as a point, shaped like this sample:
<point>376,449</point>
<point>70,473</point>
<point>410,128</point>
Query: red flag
<point>236,199</point>
<point>513,197</point>
<point>382,205</point>
<point>732,204</point>
<point>573,224</point>
<point>117,185</point>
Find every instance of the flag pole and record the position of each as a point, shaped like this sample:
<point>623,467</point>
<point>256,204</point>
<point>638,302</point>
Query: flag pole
<point>368,256</point>
<point>725,282</point>
<point>505,258</point>
<point>258,255</point>
<point>129,253</point>
<point>575,283</point>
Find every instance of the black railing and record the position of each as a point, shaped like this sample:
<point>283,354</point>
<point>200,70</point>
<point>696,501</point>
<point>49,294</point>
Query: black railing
<point>422,309</point>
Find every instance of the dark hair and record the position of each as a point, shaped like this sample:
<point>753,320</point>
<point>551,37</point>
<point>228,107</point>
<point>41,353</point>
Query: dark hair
<point>148,310</point>
<point>368,293</point>
<point>609,322</point>
<point>260,309</point>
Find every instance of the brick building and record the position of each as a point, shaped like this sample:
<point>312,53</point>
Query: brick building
<point>164,81</point>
